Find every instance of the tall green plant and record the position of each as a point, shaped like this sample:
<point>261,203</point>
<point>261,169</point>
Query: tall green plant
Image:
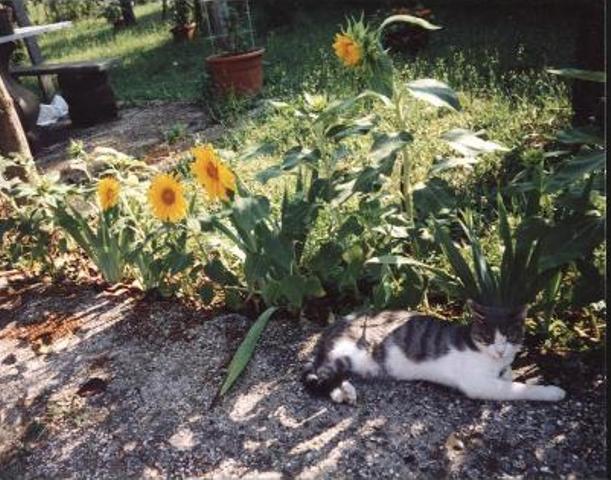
<point>106,247</point>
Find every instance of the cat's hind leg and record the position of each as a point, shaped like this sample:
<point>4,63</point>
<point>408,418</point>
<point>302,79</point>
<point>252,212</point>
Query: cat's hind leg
<point>499,389</point>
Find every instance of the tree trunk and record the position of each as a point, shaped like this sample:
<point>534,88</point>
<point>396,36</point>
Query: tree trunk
<point>12,136</point>
<point>129,16</point>
<point>164,9</point>
<point>588,98</point>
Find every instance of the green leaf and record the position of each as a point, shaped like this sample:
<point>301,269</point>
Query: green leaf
<point>217,272</point>
<point>458,263</point>
<point>574,169</point>
<point>388,144</point>
<point>434,92</point>
<point>433,197</point>
<point>417,21</point>
<point>486,280</point>
<point>454,162</point>
<point>505,234</point>
<point>576,73</point>
<point>255,151</point>
<point>359,126</point>
<point>369,178</point>
<point>380,79</point>
<point>400,260</point>
<point>571,240</point>
<point>278,105</point>
<point>581,136</point>
<point>256,268</point>
<point>271,292</point>
<point>244,352</point>
<point>350,227</point>
<point>300,156</point>
<point>327,257</point>
<point>278,249</point>
<point>469,144</point>
<point>295,288</point>
<point>179,261</point>
<point>206,293</point>
<point>269,173</point>
<point>249,211</point>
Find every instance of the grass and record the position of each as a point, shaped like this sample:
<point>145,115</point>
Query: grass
<point>494,58</point>
<point>472,50</point>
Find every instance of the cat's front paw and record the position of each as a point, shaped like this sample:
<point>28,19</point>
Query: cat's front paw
<point>553,394</point>
<point>345,393</point>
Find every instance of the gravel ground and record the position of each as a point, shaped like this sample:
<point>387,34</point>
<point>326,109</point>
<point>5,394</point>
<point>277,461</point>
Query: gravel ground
<point>107,384</point>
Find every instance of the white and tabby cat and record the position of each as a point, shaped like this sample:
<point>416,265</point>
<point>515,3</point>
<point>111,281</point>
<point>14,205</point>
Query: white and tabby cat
<point>475,359</point>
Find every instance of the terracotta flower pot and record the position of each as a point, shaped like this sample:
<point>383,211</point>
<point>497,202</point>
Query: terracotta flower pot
<point>183,33</point>
<point>241,73</point>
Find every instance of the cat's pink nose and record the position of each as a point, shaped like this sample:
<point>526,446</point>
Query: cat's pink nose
<point>500,350</point>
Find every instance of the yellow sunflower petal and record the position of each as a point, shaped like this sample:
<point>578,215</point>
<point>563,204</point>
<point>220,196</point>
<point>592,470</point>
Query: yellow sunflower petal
<point>108,192</point>
<point>211,173</point>
<point>166,198</point>
<point>347,50</point>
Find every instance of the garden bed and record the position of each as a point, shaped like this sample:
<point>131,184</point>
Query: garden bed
<point>107,383</point>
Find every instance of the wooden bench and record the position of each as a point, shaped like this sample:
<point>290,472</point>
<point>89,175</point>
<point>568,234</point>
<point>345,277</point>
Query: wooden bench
<point>84,85</point>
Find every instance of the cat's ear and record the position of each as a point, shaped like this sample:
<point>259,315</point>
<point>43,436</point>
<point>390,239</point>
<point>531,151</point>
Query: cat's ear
<point>520,314</point>
<point>476,314</point>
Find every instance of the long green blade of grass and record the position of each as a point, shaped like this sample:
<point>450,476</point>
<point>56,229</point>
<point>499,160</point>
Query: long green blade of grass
<point>245,350</point>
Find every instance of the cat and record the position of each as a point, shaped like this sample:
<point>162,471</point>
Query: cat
<point>475,359</point>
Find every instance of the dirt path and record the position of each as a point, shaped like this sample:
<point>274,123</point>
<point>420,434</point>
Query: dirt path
<point>151,131</point>
<point>101,384</point>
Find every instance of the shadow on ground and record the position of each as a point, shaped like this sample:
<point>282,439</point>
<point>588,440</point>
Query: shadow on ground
<point>158,364</point>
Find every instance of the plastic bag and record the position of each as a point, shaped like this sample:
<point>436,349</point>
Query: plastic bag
<point>52,112</point>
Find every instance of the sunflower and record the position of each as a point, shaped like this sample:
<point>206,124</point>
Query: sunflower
<point>211,173</point>
<point>108,192</point>
<point>166,198</point>
<point>347,50</point>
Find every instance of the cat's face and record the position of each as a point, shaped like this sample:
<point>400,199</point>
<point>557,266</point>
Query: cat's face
<point>498,333</point>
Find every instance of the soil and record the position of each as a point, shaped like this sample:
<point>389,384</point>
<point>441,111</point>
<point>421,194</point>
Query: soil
<point>101,383</point>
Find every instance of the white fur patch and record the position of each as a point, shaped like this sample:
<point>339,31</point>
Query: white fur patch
<point>362,363</point>
<point>476,374</point>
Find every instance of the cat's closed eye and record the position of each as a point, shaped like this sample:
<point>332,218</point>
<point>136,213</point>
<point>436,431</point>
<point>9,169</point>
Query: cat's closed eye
<point>484,336</point>
<point>514,333</point>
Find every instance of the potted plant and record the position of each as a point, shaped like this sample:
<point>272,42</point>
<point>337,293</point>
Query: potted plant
<point>236,64</point>
<point>184,26</point>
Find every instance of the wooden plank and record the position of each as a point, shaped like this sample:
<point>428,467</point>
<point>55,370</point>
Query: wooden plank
<point>59,68</point>
<point>33,30</point>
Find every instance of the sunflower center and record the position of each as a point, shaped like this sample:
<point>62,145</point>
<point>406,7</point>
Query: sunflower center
<point>212,171</point>
<point>168,196</point>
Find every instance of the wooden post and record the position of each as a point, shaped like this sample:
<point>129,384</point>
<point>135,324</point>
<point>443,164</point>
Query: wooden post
<point>12,136</point>
<point>45,82</point>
